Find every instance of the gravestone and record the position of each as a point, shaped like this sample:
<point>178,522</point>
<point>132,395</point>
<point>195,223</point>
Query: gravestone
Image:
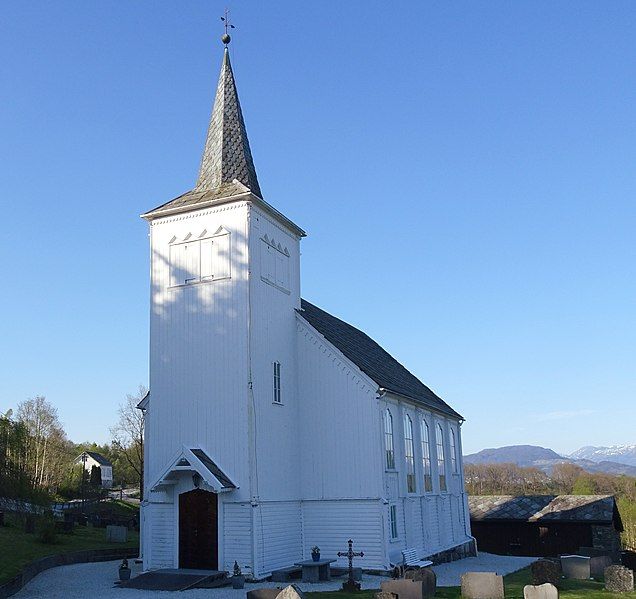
<point>263,593</point>
<point>425,576</point>
<point>576,567</point>
<point>405,588</point>
<point>290,592</point>
<point>482,585</point>
<point>540,591</point>
<point>385,595</point>
<point>116,534</point>
<point>545,570</point>
<point>598,564</point>
<point>619,579</point>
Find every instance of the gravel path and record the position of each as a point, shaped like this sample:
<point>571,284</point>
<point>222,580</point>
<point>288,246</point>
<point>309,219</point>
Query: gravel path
<point>95,581</point>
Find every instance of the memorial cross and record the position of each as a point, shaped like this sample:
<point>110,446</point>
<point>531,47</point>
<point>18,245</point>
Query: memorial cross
<point>350,584</point>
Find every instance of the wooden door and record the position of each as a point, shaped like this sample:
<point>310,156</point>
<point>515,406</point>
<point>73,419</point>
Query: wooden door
<point>198,530</point>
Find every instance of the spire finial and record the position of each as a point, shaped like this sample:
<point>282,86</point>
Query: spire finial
<point>225,38</point>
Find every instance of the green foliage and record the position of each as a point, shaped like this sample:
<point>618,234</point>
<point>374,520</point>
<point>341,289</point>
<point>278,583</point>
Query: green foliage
<point>45,529</point>
<point>584,485</point>
<point>18,548</point>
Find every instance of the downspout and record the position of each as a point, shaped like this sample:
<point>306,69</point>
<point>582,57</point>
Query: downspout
<point>251,406</point>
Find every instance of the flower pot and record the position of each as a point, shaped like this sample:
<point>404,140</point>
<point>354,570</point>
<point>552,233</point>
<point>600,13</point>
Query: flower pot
<point>124,573</point>
<point>238,582</point>
<point>315,557</point>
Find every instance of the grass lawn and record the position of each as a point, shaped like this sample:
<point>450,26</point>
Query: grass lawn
<point>18,548</point>
<point>514,583</point>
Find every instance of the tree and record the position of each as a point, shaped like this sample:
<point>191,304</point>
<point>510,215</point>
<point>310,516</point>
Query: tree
<point>128,435</point>
<point>46,445</point>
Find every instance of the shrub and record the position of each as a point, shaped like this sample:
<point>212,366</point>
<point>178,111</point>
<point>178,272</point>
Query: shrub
<point>45,529</point>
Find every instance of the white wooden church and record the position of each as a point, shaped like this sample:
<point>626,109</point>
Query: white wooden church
<point>271,425</point>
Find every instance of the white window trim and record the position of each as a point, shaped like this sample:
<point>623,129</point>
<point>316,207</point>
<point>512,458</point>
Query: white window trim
<point>388,418</point>
<point>393,523</point>
<point>276,384</point>
<point>199,280</point>
<point>409,470</point>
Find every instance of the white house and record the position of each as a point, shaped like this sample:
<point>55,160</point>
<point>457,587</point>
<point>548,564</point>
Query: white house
<point>90,459</point>
<point>271,425</point>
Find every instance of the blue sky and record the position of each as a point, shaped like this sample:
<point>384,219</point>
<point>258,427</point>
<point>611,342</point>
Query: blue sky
<point>465,171</point>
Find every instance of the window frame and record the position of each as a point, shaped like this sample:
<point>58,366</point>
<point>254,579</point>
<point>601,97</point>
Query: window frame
<point>393,527</point>
<point>276,383</point>
<point>441,458</point>
<point>389,452</point>
<point>427,466</point>
<point>453,451</point>
<point>409,456</point>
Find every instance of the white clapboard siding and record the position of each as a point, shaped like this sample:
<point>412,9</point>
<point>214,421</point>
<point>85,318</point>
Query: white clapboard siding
<point>237,531</point>
<point>330,524</point>
<point>161,529</point>
<point>278,535</point>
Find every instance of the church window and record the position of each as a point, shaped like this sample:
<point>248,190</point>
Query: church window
<point>274,263</point>
<point>277,398</point>
<point>198,260</point>
<point>441,461</point>
<point>453,448</point>
<point>409,454</point>
<point>393,521</point>
<point>388,440</point>
<point>426,456</point>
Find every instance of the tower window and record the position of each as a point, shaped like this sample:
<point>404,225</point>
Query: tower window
<point>198,260</point>
<point>277,398</point>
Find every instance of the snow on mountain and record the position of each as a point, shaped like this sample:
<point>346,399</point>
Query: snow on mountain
<point>622,454</point>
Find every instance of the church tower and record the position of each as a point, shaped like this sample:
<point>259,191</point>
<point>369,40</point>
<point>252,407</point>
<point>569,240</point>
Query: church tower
<point>225,287</point>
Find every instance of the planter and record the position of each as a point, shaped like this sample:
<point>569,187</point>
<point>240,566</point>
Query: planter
<point>315,557</point>
<point>238,582</point>
<point>124,573</point>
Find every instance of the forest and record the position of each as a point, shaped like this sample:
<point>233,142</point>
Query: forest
<point>564,479</point>
<point>36,456</point>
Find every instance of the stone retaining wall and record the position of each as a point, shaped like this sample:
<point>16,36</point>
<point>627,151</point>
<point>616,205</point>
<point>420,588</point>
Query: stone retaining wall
<point>63,559</point>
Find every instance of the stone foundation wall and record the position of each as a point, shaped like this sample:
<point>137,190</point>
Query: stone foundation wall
<point>468,549</point>
<point>606,538</point>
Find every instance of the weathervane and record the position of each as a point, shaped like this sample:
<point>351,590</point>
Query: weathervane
<point>225,38</point>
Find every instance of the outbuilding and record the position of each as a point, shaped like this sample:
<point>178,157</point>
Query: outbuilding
<point>545,525</point>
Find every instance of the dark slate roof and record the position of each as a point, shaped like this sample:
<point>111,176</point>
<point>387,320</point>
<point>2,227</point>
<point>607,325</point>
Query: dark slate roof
<point>541,508</point>
<point>99,458</point>
<point>213,468</point>
<point>227,168</point>
<point>374,361</point>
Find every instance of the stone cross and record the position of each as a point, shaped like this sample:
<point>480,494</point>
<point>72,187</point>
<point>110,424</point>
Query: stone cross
<point>350,585</point>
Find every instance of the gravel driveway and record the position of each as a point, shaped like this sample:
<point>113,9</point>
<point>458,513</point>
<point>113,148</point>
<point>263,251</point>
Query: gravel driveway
<point>95,581</point>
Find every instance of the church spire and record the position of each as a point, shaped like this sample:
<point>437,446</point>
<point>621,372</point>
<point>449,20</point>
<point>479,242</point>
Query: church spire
<point>227,154</point>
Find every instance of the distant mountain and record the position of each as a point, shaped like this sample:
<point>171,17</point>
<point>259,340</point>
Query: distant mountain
<point>623,454</point>
<point>545,459</point>
<point>522,455</point>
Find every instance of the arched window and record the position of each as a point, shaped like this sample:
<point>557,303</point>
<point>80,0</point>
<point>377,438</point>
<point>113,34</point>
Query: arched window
<point>453,449</point>
<point>426,456</point>
<point>441,461</point>
<point>388,440</point>
<point>409,454</point>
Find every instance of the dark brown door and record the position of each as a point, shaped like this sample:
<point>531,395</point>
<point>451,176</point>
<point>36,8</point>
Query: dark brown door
<point>198,530</point>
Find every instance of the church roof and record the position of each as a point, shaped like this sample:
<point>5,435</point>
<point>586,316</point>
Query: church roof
<point>374,361</point>
<point>227,168</point>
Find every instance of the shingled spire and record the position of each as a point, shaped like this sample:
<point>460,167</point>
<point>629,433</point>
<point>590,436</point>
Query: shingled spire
<point>227,154</point>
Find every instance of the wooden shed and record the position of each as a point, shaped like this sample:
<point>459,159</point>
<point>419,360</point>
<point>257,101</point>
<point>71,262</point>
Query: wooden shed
<point>545,525</point>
